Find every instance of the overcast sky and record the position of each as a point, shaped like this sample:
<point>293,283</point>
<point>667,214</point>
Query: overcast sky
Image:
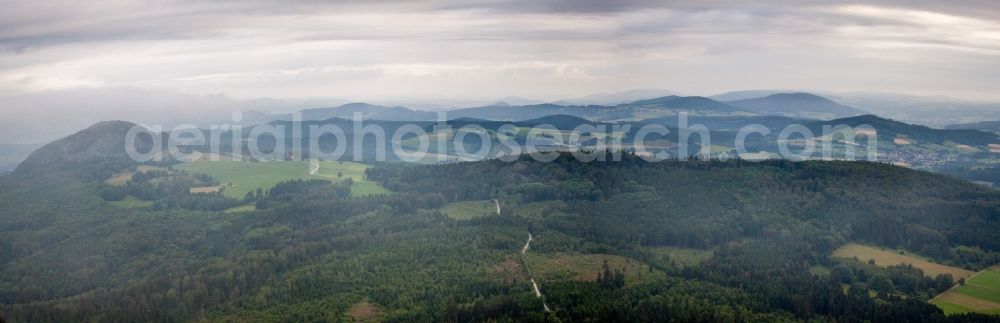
<point>383,50</point>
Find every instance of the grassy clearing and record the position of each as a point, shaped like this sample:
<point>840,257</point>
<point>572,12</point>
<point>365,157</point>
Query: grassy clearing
<point>822,271</point>
<point>682,256</point>
<point>363,311</point>
<point>469,209</point>
<point>123,177</point>
<point>538,209</point>
<point>241,208</point>
<point>249,176</point>
<point>885,258</point>
<point>509,270</point>
<point>130,202</point>
<point>205,189</point>
<point>367,188</point>
<point>562,266</point>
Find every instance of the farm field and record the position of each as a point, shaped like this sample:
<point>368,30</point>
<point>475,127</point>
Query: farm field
<point>885,258</point>
<point>240,177</point>
<point>981,293</point>
<point>469,209</point>
<point>562,266</point>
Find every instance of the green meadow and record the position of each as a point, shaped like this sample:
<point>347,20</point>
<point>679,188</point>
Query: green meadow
<point>240,177</point>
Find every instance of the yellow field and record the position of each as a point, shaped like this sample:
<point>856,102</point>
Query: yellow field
<point>205,189</point>
<point>885,258</point>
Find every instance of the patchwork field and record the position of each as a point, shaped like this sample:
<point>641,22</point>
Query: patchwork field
<point>885,258</point>
<point>562,266</point>
<point>469,209</point>
<point>980,293</point>
<point>247,176</point>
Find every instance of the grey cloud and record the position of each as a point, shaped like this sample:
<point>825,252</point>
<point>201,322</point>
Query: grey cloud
<point>292,48</point>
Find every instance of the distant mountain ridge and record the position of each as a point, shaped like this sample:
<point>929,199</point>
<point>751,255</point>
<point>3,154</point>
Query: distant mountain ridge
<point>686,102</point>
<point>368,111</point>
<point>993,126</point>
<point>797,104</point>
<point>616,98</point>
<point>889,129</point>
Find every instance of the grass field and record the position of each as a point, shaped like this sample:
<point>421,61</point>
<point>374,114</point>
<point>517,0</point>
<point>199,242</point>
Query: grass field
<point>241,208</point>
<point>469,209</point>
<point>248,176</point>
<point>987,278</point>
<point>981,293</point>
<point>562,266</point>
<point>885,258</point>
<point>121,178</point>
<point>537,209</point>
<point>130,202</point>
<point>949,308</point>
<point>682,256</point>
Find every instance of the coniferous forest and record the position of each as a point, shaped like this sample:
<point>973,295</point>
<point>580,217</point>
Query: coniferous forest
<point>311,252</point>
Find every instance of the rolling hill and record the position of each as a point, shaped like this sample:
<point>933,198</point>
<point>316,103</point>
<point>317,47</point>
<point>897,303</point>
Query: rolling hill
<point>94,152</point>
<point>313,251</point>
<point>992,126</point>
<point>889,129</point>
<point>797,104</point>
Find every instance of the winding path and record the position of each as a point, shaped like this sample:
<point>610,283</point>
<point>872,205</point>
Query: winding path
<point>498,205</point>
<point>534,285</point>
<point>313,167</point>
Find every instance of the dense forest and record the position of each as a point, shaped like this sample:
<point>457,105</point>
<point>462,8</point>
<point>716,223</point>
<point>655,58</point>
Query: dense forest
<point>311,252</point>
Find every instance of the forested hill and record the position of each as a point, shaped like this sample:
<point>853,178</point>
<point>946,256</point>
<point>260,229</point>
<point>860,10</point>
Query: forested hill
<point>889,129</point>
<point>93,153</point>
<point>762,234</point>
<point>873,202</point>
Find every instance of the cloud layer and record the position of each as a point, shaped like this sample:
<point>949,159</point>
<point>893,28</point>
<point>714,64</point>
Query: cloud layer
<point>389,50</point>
